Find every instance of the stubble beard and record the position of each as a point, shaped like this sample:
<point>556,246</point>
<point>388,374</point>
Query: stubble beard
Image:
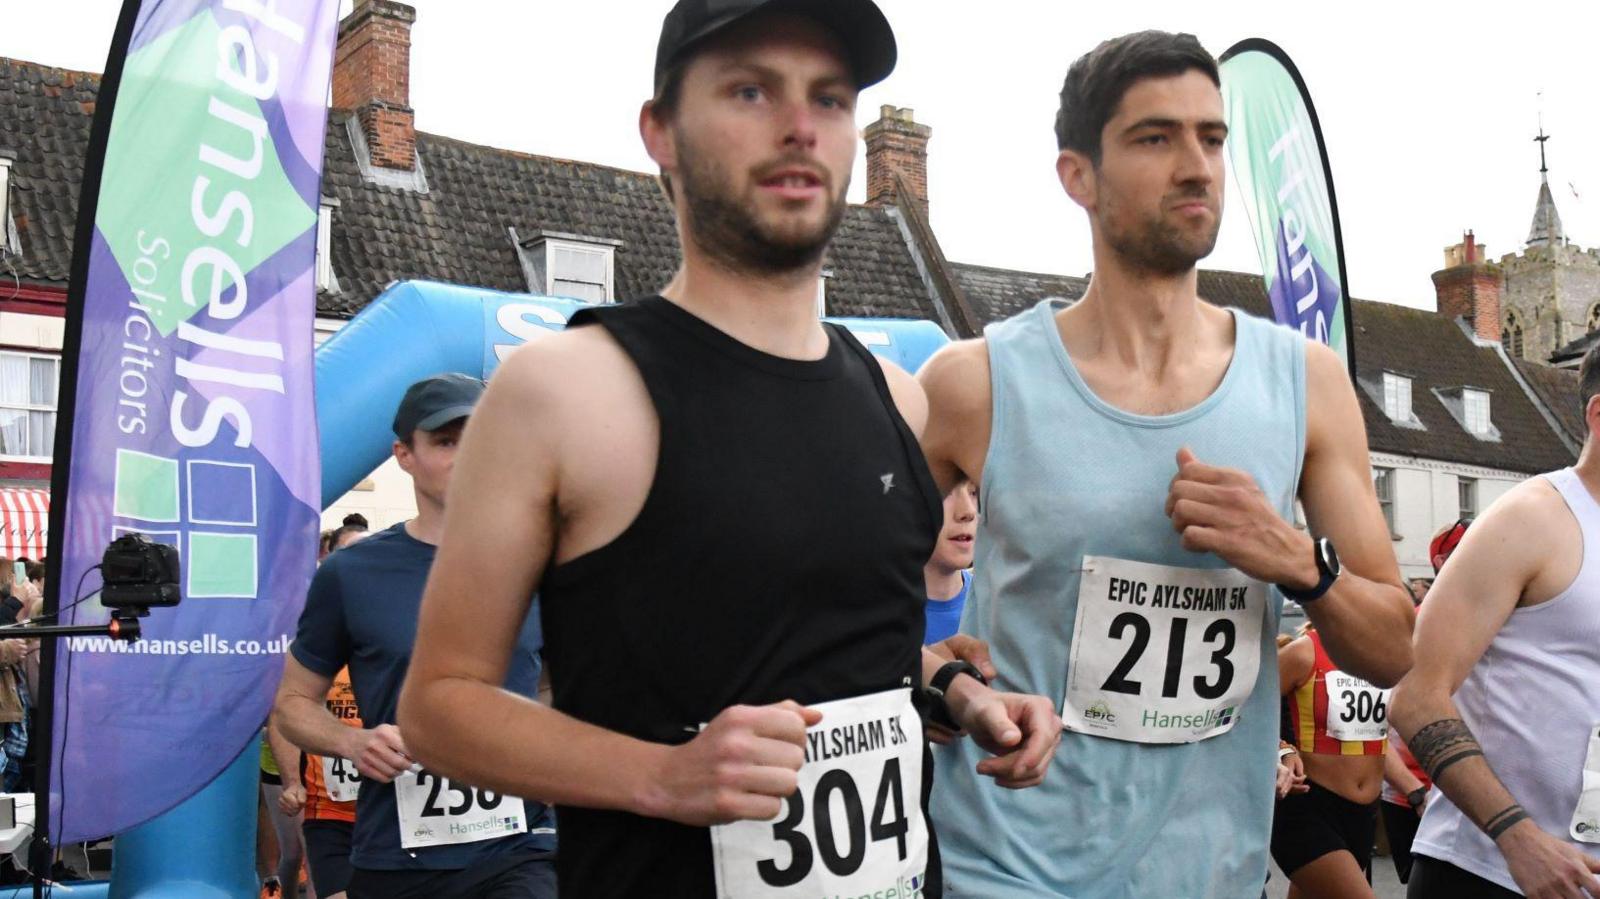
<point>727,228</point>
<point>1155,246</point>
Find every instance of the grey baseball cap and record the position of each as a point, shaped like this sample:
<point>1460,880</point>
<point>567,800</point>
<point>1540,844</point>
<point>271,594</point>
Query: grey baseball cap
<point>434,402</point>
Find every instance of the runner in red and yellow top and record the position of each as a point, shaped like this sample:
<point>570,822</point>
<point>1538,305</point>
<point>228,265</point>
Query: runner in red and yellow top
<point>1339,724</point>
<point>331,788</point>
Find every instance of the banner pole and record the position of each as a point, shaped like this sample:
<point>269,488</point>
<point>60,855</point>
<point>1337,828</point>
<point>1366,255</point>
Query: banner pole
<point>42,853</point>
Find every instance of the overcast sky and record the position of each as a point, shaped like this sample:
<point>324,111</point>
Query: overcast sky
<point>1429,109</point>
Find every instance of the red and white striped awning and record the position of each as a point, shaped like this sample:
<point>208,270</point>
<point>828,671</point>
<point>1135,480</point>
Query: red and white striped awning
<point>24,518</point>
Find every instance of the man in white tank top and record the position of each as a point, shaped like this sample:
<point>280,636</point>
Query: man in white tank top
<point>1503,706</point>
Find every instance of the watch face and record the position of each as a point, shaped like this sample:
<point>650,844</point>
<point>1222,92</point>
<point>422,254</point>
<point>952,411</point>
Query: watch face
<point>1330,558</point>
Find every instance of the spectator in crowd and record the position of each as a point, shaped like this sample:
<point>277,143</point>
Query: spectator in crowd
<point>948,573</point>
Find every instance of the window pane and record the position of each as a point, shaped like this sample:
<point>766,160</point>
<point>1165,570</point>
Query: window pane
<point>1404,393</point>
<point>579,265</point>
<point>42,381</point>
<point>13,432</point>
<point>579,290</point>
<point>41,433</point>
<point>13,379</point>
<point>1391,396</point>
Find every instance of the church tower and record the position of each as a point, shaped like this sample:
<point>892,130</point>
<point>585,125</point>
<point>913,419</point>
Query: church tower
<point>1551,296</point>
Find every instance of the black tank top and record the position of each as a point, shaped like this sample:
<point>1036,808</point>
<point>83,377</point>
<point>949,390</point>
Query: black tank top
<point>778,555</point>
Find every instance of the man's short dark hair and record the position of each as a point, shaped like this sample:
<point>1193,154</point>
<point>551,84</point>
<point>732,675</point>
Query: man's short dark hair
<point>1588,378</point>
<point>1097,82</point>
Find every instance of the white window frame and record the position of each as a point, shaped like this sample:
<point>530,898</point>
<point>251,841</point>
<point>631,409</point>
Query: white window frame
<point>7,226</point>
<point>1397,397</point>
<point>548,264</point>
<point>1466,497</point>
<point>1475,427</point>
<point>33,407</point>
<point>1383,486</point>
<point>326,281</point>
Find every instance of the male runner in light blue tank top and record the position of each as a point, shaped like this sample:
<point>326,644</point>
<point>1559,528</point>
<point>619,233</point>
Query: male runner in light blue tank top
<point>1139,456</point>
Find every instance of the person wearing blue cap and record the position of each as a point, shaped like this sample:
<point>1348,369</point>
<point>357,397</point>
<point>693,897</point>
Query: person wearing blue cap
<point>723,505</point>
<point>417,835</point>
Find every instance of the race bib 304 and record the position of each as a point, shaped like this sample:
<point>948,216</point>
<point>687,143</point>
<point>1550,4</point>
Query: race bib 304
<point>855,825</point>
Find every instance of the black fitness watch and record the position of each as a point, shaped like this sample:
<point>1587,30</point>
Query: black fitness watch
<point>938,709</point>
<point>1416,797</point>
<point>1327,567</point>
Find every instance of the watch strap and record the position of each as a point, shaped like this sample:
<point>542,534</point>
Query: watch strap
<point>939,686</point>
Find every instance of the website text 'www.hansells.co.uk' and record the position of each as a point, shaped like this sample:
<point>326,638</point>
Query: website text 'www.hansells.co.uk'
<point>208,644</point>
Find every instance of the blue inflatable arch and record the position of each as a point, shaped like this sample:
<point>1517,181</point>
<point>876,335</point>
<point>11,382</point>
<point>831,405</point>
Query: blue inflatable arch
<point>420,328</point>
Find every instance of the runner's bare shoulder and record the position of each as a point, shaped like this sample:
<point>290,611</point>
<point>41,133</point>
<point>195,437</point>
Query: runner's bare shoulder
<point>956,379</point>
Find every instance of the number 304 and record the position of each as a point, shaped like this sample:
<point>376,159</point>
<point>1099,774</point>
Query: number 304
<point>888,822</point>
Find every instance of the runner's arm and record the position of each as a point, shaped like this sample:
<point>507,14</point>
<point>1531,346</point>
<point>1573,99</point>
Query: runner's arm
<point>1396,772</point>
<point>1468,604</point>
<point>300,715</point>
<point>956,382</point>
<point>499,535</point>
<point>1297,659</point>
<point>286,754</point>
<point>1365,619</point>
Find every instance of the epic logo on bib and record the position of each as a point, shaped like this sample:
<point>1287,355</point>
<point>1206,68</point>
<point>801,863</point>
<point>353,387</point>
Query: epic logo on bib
<point>1358,712</point>
<point>1162,654</point>
<point>854,827</point>
<point>436,811</point>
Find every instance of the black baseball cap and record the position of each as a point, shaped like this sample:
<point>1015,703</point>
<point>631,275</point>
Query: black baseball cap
<point>434,402</point>
<point>859,24</point>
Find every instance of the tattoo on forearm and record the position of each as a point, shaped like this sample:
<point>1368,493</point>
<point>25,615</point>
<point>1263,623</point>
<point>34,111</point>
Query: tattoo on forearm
<point>1442,744</point>
<point>1504,820</point>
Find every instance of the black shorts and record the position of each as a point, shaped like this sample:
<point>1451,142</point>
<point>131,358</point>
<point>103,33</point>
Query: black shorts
<point>1400,823</point>
<point>520,875</point>
<point>1434,879</point>
<point>328,854</point>
<point>1308,826</point>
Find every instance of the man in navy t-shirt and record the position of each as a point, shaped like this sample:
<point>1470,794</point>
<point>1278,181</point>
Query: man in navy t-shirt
<point>947,573</point>
<point>416,834</point>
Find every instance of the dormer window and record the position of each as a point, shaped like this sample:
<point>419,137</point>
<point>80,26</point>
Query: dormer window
<point>1475,406</point>
<point>570,265</point>
<point>326,282</point>
<point>1396,397</point>
<point>8,230</point>
<point>1471,408</point>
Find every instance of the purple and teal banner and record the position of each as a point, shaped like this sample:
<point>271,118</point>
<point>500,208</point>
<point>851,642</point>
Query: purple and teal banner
<point>1281,167</point>
<point>188,363</point>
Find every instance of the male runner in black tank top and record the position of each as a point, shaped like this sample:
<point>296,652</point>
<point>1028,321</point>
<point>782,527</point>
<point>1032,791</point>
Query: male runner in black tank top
<point>724,507</point>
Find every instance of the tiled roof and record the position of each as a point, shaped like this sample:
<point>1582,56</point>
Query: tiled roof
<point>457,231</point>
<point>1575,350</point>
<point>45,114</point>
<point>1558,390</point>
<point>998,293</point>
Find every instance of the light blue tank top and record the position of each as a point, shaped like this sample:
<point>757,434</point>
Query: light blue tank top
<point>1068,475</point>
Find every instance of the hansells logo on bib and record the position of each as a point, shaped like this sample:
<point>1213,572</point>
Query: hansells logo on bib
<point>903,888</point>
<point>1211,719</point>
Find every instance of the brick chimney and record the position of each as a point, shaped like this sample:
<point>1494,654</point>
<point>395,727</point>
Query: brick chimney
<point>372,77</point>
<point>1468,287</point>
<point>896,143</point>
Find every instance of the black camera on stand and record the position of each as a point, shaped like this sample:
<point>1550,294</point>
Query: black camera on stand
<point>137,575</point>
